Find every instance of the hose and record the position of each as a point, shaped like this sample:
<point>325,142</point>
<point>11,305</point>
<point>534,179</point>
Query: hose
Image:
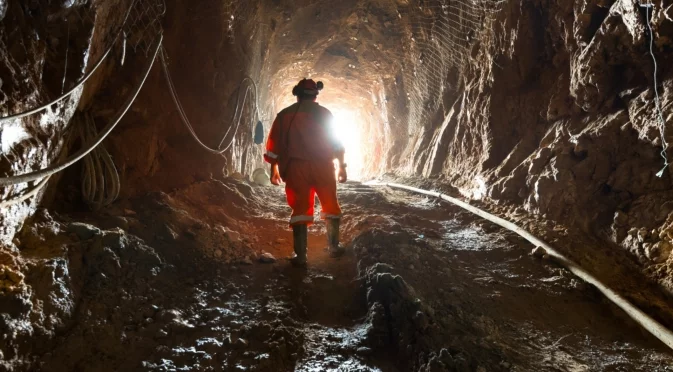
<point>238,113</point>
<point>28,177</point>
<point>76,86</point>
<point>644,320</point>
<point>100,180</point>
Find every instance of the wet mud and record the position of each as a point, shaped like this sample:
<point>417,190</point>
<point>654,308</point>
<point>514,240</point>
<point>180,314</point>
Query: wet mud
<point>156,284</point>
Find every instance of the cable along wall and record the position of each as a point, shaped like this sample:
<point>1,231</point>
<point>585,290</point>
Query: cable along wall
<point>43,130</point>
<point>44,53</point>
<point>245,24</point>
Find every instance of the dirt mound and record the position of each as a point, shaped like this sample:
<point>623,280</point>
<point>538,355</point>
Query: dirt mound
<point>399,318</point>
<point>73,270</point>
<point>108,278</point>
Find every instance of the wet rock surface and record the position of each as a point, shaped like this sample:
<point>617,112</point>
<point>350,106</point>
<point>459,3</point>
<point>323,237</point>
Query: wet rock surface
<point>580,143</point>
<point>423,287</point>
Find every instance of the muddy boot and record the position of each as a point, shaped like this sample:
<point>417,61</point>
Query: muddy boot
<point>333,247</point>
<point>300,237</point>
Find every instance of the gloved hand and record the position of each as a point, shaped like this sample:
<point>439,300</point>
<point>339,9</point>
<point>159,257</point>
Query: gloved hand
<point>343,176</point>
<point>275,175</point>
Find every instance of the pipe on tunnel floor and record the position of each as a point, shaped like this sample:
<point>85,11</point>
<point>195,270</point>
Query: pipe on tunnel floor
<point>640,317</point>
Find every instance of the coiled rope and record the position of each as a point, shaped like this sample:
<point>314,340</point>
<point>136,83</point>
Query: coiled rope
<point>77,85</point>
<point>100,180</point>
<point>28,177</point>
<point>238,113</point>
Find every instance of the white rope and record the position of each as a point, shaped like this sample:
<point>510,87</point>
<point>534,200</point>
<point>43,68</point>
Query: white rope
<point>18,199</point>
<point>28,195</point>
<point>76,86</point>
<point>238,113</point>
<point>657,100</point>
<point>28,177</point>
<point>640,317</point>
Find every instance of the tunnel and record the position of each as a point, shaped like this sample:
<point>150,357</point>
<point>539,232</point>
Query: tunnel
<point>508,203</point>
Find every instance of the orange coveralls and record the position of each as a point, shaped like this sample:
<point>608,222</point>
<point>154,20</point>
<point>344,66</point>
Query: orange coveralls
<point>303,145</point>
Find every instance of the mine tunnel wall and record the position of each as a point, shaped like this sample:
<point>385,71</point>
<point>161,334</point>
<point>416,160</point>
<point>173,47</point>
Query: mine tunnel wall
<point>46,50</point>
<point>209,56</point>
<point>547,105</point>
<point>555,111</point>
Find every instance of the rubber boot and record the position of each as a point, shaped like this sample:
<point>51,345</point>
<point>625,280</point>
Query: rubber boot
<point>333,247</point>
<point>300,237</point>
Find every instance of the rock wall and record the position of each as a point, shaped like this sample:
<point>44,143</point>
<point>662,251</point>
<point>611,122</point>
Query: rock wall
<point>47,48</point>
<point>209,55</point>
<point>556,112</point>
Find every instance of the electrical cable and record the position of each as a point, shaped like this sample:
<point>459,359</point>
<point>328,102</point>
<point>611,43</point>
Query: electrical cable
<point>188,124</point>
<point>76,86</point>
<point>237,112</point>
<point>32,192</point>
<point>28,195</point>
<point>657,100</point>
<point>236,118</point>
<point>28,177</point>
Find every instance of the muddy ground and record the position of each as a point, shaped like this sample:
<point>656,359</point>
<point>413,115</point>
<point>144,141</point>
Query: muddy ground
<point>196,281</point>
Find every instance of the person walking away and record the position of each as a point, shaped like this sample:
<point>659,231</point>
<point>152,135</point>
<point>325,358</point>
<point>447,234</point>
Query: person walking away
<point>301,149</point>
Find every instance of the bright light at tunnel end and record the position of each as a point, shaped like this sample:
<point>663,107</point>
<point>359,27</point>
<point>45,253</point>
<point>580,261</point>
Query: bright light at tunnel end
<point>348,129</point>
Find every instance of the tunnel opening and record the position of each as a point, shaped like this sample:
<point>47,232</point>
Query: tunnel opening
<point>164,249</point>
<point>348,129</point>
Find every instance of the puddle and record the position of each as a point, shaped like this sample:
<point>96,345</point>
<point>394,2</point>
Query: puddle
<point>457,237</point>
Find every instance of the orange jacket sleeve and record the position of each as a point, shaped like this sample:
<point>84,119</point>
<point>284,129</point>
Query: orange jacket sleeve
<point>273,143</point>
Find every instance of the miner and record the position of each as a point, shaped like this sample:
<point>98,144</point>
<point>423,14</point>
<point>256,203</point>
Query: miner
<point>301,149</point>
